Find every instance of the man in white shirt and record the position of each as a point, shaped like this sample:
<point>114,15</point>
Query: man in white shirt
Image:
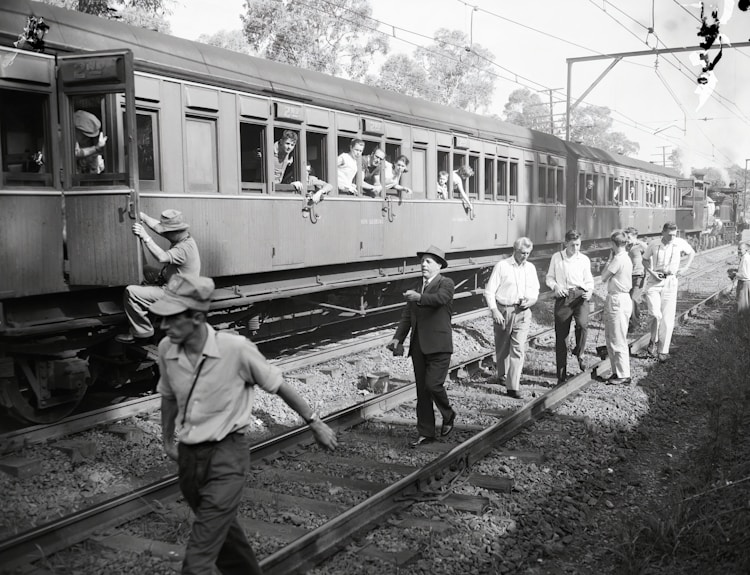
<point>661,260</point>
<point>347,166</point>
<point>569,277</point>
<point>742,275</point>
<point>512,289</point>
<point>618,276</point>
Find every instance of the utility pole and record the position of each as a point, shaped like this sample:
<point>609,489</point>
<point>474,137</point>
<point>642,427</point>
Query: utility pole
<point>615,59</point>
<point>663,155</point>
<point>551,109</point>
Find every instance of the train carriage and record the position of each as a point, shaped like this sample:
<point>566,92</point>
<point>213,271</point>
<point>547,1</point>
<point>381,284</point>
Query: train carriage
<point>193,127</point>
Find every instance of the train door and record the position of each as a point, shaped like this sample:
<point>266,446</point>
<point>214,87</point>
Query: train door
<point>100,167</point>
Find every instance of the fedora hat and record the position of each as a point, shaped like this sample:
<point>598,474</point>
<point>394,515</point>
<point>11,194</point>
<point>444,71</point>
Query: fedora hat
<point>87,123</point>
<point>184,292</point>
<point>437,253</point>
<point>171,221</point>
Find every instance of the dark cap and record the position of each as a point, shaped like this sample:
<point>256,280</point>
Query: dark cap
<point>88,124</point>
<point>184,292</point>
<point>171,221</point>
<point>437,253</point>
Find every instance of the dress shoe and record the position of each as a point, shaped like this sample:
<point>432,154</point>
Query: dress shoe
<point>499,380</point>
<point>422,440</point>
<point>129,338</point>
<point>514,393</point>
<point>618,381</point>
<point>447,426</point>
<point>663,357</point>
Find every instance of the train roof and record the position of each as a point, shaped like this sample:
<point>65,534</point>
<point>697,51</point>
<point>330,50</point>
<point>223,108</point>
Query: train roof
<point>164,54</point>
<point>595,154</point>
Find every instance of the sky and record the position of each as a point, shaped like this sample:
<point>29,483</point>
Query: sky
<point>653,98</point>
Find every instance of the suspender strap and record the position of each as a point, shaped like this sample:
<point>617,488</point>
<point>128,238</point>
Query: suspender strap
<point>192,388</point>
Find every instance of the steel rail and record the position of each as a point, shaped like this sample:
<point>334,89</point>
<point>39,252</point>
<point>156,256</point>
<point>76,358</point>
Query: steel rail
<point>41,541</point>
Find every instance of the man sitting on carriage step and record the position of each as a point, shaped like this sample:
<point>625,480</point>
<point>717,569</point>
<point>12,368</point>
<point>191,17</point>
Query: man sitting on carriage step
<point>181,258</point>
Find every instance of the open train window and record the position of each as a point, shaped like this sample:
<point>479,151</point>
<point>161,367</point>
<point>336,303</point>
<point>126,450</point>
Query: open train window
<point>489,178</point>
<point>315,147</point>
<point>349,164</point>
<point>513,181</point>
<point>24,139</point>
<point>201,157</point>
<point>252,172</point>
<point>285,159</point>
<point>502,181</point>
<point>542,184</point>
<point>98,142</point>
<point>530,187</point>
<point>560,193</point>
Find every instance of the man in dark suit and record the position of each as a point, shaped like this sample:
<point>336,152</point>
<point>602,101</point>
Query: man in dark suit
<point>428,316</point>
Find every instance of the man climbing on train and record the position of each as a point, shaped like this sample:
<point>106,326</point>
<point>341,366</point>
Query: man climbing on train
<point>182,258</point>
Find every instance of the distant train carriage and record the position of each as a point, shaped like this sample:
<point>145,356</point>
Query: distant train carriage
<point>193,127</point>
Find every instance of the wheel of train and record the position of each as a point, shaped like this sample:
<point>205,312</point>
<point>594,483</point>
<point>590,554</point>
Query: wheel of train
<point>44,391</point>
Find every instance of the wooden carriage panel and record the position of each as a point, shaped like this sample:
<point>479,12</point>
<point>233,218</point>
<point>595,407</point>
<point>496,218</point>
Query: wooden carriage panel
<point>233,233</point>
<point>31,236</point>
<point>371,228</point>
<point>101,246</point>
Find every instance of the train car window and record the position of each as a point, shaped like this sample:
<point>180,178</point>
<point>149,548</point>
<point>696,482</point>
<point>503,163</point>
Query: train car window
<point>98,144</point>
<point>459,160</point>
<point>587,189</point>
<point>549,196</point>
<point>513,181</point>
<point>542,184</point>
<point>285,157</point>
<point>349,164</point>
<point>560,195</point>
<point>147,145</point>
<point>24,139</point>
<point>610,196</point>
<point>472,186</point>
<point>201,158</point>
<point>489,179</point>
<point>252,167</point>
<point>316,150</point>
<point>530,187</point>
<point>416,178</point>
<point>502,181</point>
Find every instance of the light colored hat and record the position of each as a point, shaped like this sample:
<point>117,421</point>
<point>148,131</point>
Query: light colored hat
<point>171,221</point>
<point>88,124</point>
<point>437,253</point>
<point>184,292</point>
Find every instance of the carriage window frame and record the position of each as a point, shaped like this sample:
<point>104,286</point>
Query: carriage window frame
<point>192,158</point>
<point>293,171</point>
<point>502,179</point>
<point>560,186</point>
<point>251,157</point>
<point>114,127</point>
<point>513,183</point>
<point>23,178</point>
<point>316,140</point>
<point>489,177</point>
<point>151,184</point>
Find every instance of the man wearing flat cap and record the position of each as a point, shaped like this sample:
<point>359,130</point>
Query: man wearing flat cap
<point>181,258</point>
<point>90,142</point>
<point>207,382</point>
<point>428,316</point>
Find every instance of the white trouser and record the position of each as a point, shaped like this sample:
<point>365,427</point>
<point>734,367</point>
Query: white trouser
<point>661,299</point>
<point>137,299</point>
<point>510,346</point>
<point>617,312</point>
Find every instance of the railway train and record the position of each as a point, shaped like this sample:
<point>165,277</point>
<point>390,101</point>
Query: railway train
<point>187,127</point>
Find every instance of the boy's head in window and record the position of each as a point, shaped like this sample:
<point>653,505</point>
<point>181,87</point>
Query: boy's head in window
<point>288,142</point>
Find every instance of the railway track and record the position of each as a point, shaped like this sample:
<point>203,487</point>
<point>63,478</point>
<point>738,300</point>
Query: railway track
<point>390,496</point>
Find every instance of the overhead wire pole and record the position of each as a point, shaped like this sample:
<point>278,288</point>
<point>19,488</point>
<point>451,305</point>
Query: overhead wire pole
<point>617,58</point>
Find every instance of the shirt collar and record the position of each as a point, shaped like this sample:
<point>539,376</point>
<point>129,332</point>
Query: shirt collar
<point>210,348</point>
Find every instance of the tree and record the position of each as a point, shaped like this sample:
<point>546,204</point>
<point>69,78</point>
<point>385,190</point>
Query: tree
<point>227,39</point>
<point>460,75</point>
<point>525,108</point>
<point>675,160</point>
<point>400,73</point>
<point>332,36</point>
<point>447,72</point>
<point>591,125</point>
<point>151,14</point>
